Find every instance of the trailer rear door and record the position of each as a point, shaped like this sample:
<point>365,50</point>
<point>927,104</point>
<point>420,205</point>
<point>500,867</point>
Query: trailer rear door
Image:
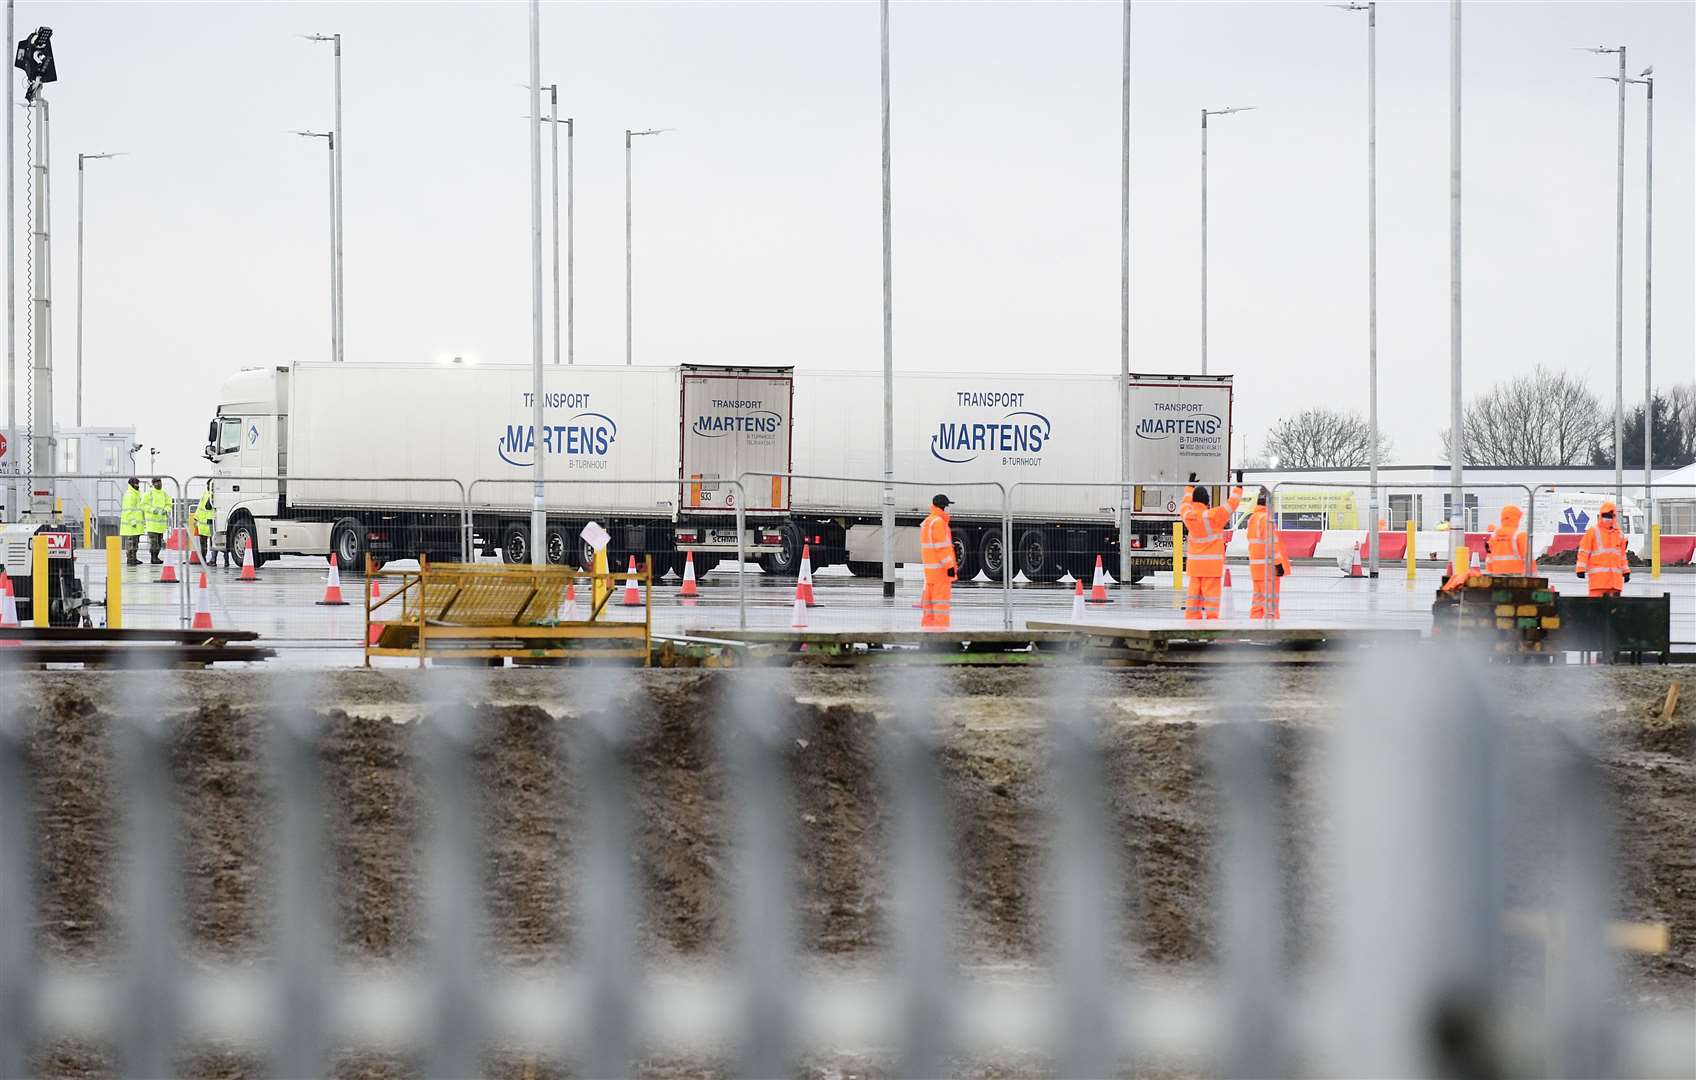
<point>735,420</point>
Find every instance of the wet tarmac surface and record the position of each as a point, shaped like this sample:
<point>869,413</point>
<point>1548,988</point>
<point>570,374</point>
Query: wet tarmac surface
<point>283,606</point>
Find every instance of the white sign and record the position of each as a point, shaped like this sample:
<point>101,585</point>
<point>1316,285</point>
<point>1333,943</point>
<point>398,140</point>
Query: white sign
<point>596,536</point>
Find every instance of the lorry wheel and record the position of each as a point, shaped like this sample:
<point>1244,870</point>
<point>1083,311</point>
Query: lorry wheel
<point>787,562</point>
<point>1034,557</point>
<point>965,556</point>
<point>992,553</point>
<point>347,541</point>
<point>515,544</point>
<point>558,545</point>
<point>242,530</point>
<point>865,569</point>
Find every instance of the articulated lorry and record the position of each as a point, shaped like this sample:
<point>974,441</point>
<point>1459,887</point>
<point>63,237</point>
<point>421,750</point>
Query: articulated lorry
<point>314,458</point>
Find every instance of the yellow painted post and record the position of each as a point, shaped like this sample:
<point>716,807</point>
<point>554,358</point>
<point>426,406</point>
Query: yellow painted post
<point>38,570</point>
<point>114,582</point>
<point>1412,542</point>
<point>87,527</point>
<point>1178,556</point>
<point>602,585</point>
<point>1654,553</point>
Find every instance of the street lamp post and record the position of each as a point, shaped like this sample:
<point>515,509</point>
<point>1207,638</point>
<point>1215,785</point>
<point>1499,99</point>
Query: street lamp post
<point>1619,280</point>
<point>554,123</point>
<point>1457,464</point>
<point>336,142</point>
<point>538,450</point>
<point>1371,10</point>
<point>1205,113</point>
<point>628,322</point>
<point>335,300</point>
<point>1125,477</point>
<point>1647,79</point>
<point>80,159</point>
<point>888,499</point>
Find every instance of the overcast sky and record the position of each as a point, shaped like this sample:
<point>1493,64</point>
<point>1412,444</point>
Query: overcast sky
<point>757,220</point>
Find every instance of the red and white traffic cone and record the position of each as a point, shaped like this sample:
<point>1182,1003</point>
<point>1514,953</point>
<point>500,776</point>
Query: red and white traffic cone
<point>570,598</point>
<point>690,589</point>
<point>8,608</point>
<point>798,617</point>
<point>333,586</point>
<point>804,580</point>
<point>375,630</point>
<point>632,595</point>
<point>1078,601</point>
<point>194,549</point>
<point>249,570</point>
<point>202,606</point>
<point>1225,582</point>
<point>1354,562</point>
<point>1227,598</point>
<point>1098,587</point>
<point>168,575</point>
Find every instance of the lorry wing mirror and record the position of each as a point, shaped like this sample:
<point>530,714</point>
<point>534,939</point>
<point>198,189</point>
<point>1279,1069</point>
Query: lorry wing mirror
<point>212,434</point>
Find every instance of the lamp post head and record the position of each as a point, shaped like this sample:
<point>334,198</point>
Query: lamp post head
<point>1229,111</point>
<point>1600,49</point>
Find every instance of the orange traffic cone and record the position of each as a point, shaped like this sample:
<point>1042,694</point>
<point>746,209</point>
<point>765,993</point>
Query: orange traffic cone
<point>1225,582</point>
<point>1354,563</point>
<point>632,595</point>
<point>570,598</point>
<point>202,606</point>
<point>333,586</point>
<point>1098,588</point>
<point>804,580</point>
<point>168,575</point>
<point>249,570</point>
<point>8,607</point>
<point>1078,601</point>
<point>798,618</point>
<point>375,629</point>
<point>690,589</point>
<point>194,549</point>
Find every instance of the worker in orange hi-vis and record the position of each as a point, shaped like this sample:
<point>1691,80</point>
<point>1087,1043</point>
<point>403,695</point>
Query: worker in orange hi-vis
<point>1601,554</point>
<point>936,548</point>
<point>1507,550</point>
<point>1266,568</point>
<point>1204,525</point>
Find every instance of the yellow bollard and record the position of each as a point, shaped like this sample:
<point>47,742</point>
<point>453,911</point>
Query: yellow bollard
<point>1178,556</point>
<point>602,587</point>
<point>38,570</point>
<point>1412,555</point>
<point>87,528</point>
<point>1654,553</point>
<point>114,582</point>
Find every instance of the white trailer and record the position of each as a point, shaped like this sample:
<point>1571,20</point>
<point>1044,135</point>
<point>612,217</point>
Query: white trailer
<point>319,457</point>
<point>309,459</point>
<point>1033,434</point>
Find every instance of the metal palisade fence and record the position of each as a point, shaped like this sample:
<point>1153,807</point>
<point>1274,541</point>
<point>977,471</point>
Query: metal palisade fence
<point>1412,976</point>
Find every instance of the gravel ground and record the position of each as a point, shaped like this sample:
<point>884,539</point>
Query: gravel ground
<point>993,753</point>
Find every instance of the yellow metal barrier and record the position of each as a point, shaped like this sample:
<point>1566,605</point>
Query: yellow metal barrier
<point>38,568</point>
<point>493,612</point>
<point>87,527</point>
<point>1411,554</point>
<point>1654,553</point>
<point>114,582</point>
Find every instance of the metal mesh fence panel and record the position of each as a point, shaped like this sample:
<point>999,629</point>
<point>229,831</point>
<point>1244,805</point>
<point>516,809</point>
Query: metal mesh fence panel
<point>695,555</point>
<point>266,558</point>
<point>839,521</point>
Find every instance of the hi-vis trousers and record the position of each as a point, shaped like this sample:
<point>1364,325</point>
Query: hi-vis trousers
<point>1201,598</point>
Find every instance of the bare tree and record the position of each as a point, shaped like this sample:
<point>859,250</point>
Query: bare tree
<point>1544,418</point>
<point>1681,404</point>
<point>1323,439</point>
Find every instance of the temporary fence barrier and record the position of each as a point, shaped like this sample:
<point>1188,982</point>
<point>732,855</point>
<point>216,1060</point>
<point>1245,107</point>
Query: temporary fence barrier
<point>418,516</point>
<point>1415,972</point>
<point>640,516</point>
<point>840,519</point>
